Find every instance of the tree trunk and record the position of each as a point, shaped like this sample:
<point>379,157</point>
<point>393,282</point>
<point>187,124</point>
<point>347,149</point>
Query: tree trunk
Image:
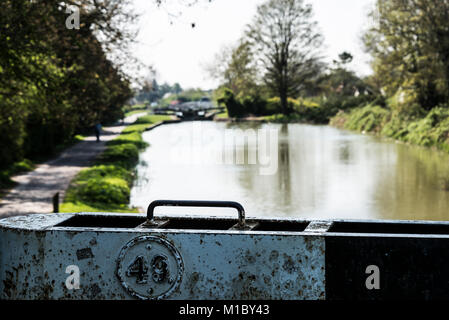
<point>284,103</point>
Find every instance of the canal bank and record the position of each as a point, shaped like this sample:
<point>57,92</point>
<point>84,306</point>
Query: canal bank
<point>430,130</point>
<point>106,185</point>
<point>35,189</point>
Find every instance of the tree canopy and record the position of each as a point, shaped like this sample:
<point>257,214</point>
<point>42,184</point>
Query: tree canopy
<point>55,81</point>
<point>287,42</point>
<point>409,42</point>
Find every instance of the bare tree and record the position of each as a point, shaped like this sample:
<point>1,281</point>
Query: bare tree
<point>285,37</point>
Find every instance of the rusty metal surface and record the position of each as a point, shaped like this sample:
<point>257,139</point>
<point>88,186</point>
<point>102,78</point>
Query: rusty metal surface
<point>216,264</point>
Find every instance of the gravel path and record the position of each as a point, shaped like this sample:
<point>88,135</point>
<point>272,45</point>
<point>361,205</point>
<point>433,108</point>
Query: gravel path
<point>34,190</point>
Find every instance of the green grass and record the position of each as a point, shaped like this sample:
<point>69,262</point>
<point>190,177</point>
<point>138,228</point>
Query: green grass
<point>131,110</point>
<point>106,186</point>
<point>152,119</point>
<point>223,115</point>
<point>78,206</point>
<point>367,119</point>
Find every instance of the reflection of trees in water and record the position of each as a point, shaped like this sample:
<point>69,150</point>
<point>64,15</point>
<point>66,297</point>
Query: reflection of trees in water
<point>255,125</point>
<point>345,152</point>
<point>284,177</point>
<point>141,177</point>
<point>416,189</point>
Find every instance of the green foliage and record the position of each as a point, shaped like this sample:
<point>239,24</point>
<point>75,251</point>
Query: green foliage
<point>107,191</point>
<point>53,81</point>
<point>284,37</point>
<point>432,130</point>
<point>101,186</point>
<point>129,138</point>
<point>409,43</point>
<point>135,109</point>
<point>234,108</point>
<point>236,69</point>
<point>106,186</point>
<point>102,171</point>
<point>151,119</point>
<point>78,206</point>
<point>247,105</point>
<point>16,168</point>
<point>367,119</point>
<point>125,155</point>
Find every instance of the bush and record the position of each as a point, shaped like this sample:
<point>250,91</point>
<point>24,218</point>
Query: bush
<point>110,191</point>
<point>17,167</point>
<point>106,186</point>
<point>247,105</point>
<point>124,155</point>
<point>235,109</point>
<point>369,119</point>
<point>104,171</point>
<point>430,130</point>
<point>101,186</point>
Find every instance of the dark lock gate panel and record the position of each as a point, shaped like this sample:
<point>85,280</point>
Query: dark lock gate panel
<point>387,261</point>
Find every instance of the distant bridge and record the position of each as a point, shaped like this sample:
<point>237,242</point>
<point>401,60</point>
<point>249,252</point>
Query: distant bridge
<point>194,110</point>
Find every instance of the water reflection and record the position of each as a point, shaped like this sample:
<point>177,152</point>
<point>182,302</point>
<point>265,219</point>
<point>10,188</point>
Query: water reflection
<point>322,173</point>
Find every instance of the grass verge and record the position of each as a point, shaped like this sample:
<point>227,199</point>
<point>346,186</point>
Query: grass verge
<point>106,185</point>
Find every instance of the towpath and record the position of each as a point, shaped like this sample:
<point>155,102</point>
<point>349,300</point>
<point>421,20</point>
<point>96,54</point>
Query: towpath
<point>35,189</point>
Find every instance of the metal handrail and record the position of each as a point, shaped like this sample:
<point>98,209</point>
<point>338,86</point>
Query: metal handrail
<point>198,203</point>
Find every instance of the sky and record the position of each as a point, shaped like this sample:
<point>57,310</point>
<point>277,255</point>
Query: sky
<point>179,53</point>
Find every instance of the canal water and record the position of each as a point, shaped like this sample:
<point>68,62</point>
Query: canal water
<point>291,170</point>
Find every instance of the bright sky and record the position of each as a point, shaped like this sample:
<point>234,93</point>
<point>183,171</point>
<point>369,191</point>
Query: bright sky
<point>179,52</point>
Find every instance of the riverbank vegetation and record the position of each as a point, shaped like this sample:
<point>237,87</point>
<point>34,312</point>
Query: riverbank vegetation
<point>278,75</point>
<point>276,70</point>
<point>410,46</point>
<point>57,82</point>
<point>106,185</point>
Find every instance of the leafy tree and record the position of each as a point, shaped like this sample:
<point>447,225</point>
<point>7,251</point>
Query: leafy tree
<point>55,81</point>
<point>410,45</point>
<point>341,81</point>
<point>287,42</point>
<point>236,69</point>
<point>177,88</point>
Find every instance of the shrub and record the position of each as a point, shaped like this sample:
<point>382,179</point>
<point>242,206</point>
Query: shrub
<point>104,171</point>
<point>369,119</point>
<point>111,191</point>
<point>235,108</point>
<point>125,155</point>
